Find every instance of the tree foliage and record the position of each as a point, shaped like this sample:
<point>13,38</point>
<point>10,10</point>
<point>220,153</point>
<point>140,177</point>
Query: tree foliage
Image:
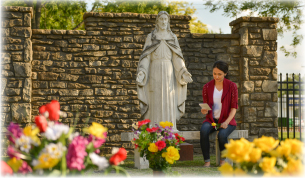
<point>289,13</point>
<point>53,14</point>
<point>154,7</point>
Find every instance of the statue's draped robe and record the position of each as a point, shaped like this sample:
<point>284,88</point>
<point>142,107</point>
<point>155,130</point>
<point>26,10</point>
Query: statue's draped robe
<point>162,93</point>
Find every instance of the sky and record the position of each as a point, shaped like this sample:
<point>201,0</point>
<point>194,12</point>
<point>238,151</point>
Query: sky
<point>216,20</point>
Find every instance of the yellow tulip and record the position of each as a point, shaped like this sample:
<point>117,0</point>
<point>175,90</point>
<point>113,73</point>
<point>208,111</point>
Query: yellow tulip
<point>255,155</point>
<point>266,143</point>
<point>171,155</point>
<point>268,164</point>
<point>226,169</point>
<point>153,147</point>
<point>45,161</point>
<point>238,150</point>
<point>97,130</point>
<point>32,133</point>
<point>213,124</point>
<point>166,124</point>
<point>15,163</point>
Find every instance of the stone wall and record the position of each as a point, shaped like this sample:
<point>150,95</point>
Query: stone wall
<point>92,72</point>
<point>16,58</point>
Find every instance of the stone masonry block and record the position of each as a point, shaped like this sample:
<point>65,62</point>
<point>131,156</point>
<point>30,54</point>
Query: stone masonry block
<point>21,112</point>
<point>244,100</point>
<point>247,86</point>
<point>269,34</point>
<point>252,51</point>
<point>269,59</point>
<point>269,86</point>
<point>22,69</point>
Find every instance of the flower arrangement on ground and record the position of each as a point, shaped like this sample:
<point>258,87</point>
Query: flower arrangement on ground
<point>158,144</point>
<point>264,156</point>
<point>60,150</point>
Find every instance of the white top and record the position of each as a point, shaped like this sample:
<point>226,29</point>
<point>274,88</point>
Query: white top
<point>217,103</point>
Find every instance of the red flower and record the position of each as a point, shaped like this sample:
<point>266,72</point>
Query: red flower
<point>179,138</point>
<point>42,109</point>
<point>120,156</point>
<point>41,123</point>
<point>136,146</point>
<point>182,138</point>
<point>53,109</point>
<point>5,168</point>
<point>160,144</point>
<point>146,121</point>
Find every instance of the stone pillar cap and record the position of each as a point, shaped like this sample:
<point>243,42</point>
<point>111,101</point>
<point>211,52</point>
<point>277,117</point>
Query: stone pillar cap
<point>254,19</point>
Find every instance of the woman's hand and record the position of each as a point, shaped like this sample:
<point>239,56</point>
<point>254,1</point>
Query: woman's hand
<point>224,125</point>
<point>204,111</point>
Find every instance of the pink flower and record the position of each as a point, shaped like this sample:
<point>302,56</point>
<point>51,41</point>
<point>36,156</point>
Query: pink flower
<point>146,121</point>
<point>25,168</point>
<point>160,144</point>
<point>11,152</point>
<point>97,142</point>
<point>76,153</point>
<point>14,132</point>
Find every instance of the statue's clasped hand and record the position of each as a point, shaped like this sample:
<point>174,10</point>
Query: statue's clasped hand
<point>187,77</point>
<point>140,77</point>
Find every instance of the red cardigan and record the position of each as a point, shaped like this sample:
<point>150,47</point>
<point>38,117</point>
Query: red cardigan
<point>228,99</point>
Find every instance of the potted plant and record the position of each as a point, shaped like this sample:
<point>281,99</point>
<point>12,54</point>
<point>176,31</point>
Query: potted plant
<point>158,144</point>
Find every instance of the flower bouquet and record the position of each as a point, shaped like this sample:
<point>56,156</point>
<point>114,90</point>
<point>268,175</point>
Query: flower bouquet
<point>264,156</point>
<point>60,150</point>
<point>158,144</point>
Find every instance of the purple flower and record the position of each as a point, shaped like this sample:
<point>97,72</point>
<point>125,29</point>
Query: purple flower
<point>14,132</point>
<point>25,168</point>
<point>76,153</point>
<point>97,142</point>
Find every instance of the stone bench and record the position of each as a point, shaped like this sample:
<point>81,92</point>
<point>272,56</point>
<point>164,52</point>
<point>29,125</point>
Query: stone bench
<point>142,163</point>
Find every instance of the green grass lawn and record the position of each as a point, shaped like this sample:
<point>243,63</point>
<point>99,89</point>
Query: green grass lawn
<point>181,168</point>
<point>297,135</point>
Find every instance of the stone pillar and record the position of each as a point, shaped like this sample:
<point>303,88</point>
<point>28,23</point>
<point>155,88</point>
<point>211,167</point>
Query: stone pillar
<point>258,61</point>
<point>16,82</point>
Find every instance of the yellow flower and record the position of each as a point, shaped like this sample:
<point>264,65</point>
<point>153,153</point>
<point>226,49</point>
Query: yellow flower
<point>45,161</point>
<point>166,124</point>
<point>266,143</point>
<point>97,130</point>
<point>153,147</point>
<point>32,134</point>
<point>296,145</point>
<point>294,167</point>
<point>255,155</point>
<point>15,163</point>
<point>268,164</point>
<point>171,155</point>
<point>213,124</point>
<point>282,150</point>
<point>239,172</point>
<point>226,169</point>
<point>238,150</point>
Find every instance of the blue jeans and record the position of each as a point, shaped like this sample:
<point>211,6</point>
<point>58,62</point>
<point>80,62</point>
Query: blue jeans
<point>223,134</point>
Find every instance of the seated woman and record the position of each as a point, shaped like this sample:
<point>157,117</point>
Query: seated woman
<point>221,95</point>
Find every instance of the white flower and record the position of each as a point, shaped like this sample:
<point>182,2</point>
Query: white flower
<point>55,150</point>
<point>101,162</point>
<point>24,143</point>
<point>34,162</point>
<point>115,150</point>
<point>53,132</point>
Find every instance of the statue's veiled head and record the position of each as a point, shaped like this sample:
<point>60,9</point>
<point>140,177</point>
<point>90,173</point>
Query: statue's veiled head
<point>163,21</point>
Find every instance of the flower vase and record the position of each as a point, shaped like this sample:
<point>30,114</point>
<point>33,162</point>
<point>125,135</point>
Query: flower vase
<point>158,173</point>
